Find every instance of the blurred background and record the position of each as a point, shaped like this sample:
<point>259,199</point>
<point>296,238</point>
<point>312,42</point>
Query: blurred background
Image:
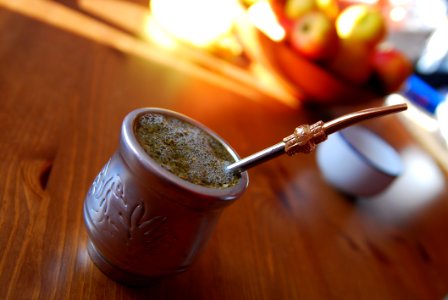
<point>245,39</point>
<point>265,45</point>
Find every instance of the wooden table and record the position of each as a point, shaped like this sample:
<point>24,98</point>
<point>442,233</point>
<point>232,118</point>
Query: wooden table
<point>63,95</point>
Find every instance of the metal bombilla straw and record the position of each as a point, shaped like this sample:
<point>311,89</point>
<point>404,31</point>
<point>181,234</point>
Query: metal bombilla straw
<point>306,137</point>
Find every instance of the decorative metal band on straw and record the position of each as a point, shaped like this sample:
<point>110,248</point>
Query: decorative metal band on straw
<point>306,137</point>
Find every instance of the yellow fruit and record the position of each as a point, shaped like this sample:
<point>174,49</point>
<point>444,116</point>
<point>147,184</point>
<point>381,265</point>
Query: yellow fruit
<point>361,23</point>
<point>296,8</point>
<point>329,7</point>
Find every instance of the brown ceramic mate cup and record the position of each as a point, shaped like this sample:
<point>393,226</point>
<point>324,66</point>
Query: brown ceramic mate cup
<point>145,223</point>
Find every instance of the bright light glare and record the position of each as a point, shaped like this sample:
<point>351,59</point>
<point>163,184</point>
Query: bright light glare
<point>430,13</point>
<point>156,34</point>
<point>344,24</point>
<point>223,75</point>
<point>369,2</point>
<point>262,17</point>
<point>262,74</point>
<point>199,22</point>
<point>398,2</point>
<point>442,116</point>
<point>435,50</point>
<point>83,259</point>
<point>397,14</point>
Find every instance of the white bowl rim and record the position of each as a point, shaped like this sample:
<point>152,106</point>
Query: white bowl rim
<point>388,170</point>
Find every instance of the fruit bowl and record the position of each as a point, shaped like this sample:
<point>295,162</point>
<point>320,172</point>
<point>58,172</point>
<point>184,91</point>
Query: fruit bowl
<point>324,65</point>
<point>313,82</point>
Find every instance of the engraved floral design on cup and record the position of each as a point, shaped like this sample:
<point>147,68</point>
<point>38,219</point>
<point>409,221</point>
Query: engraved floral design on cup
<point>123,221</point>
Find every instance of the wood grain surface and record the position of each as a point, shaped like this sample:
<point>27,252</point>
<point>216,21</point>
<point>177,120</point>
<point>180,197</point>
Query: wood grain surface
<point>291,236</point>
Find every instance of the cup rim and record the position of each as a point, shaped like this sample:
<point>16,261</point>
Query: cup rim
<point>132,144</point>
<point>367,160</point>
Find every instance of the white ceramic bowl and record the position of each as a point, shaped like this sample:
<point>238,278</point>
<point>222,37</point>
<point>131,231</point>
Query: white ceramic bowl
<point>358,162</point>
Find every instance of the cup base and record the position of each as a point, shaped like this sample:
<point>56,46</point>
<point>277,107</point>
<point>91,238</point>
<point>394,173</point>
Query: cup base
<point>121,276</point>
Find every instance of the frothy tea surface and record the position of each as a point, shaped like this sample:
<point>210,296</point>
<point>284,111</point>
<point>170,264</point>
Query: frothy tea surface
<point>185,150</point>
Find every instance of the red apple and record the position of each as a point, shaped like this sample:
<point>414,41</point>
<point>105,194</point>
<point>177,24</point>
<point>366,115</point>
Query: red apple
<point>314,36</point>
<point>391,66</point>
